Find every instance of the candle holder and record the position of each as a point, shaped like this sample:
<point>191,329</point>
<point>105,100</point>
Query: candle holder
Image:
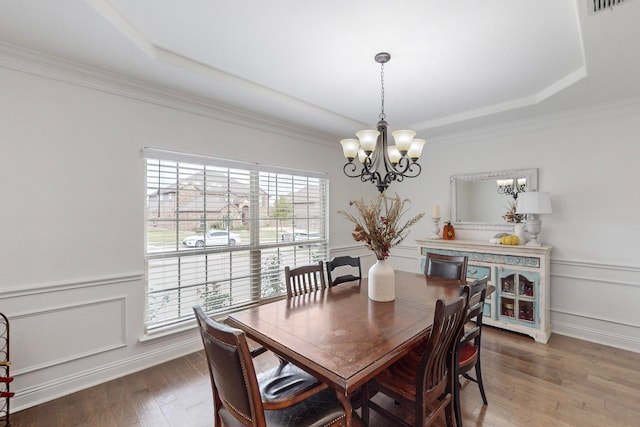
<point>436,229</point>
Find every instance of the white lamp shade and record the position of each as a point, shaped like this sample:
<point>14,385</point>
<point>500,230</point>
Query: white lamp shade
<point>362,156</point>
<point>415,151</point>
<point>403,139</point>
<point>368,139</point>
<point>350,148</point>
<point>394,154</point>
<point>534,203</point>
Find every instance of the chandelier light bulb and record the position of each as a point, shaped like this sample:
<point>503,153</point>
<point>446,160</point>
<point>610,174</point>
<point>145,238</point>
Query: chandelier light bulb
<point>403,139</point>
<point>394,154</point>
<point>415,151</point>
<point>350,148</point>
<point>368,140</point>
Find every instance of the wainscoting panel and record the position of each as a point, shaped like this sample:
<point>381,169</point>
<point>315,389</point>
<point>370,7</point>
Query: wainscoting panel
<point>46,338</point>
<point>596,302</point>
<point>70,335</point>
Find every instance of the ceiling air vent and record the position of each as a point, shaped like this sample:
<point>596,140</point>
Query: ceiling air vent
<point>596,6</point>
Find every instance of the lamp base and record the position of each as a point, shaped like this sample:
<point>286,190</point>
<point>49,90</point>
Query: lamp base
<point>533,228</point>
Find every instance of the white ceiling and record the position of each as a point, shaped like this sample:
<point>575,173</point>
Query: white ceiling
<point>454,64</point>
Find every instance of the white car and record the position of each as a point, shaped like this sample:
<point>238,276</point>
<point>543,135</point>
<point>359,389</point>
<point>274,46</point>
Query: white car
<point>212,238</point>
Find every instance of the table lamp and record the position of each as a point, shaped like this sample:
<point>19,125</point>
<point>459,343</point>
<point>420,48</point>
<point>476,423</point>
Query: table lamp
<point>533,204</point>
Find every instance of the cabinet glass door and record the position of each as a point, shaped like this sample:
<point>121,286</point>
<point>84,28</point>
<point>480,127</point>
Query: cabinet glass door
<point>518,296</point>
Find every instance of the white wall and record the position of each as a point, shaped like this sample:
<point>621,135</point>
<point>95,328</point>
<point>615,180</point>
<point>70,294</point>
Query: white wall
<point>72,275</point>
<point>588,161</point>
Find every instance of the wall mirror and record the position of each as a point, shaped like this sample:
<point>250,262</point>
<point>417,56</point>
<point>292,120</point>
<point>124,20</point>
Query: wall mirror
<point>479,200</point>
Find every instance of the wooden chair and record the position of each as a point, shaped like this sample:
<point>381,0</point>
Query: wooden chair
<point>421,382</point>
<point>447,266</point>
<point>467,355</point>
<point>284,395</point>
<point>307,278</point>
<point>343,261</point>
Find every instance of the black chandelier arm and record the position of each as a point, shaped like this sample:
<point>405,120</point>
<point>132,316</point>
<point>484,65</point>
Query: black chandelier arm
<point>350,169</point>
<point>407,168</point>
<point>371,177</point>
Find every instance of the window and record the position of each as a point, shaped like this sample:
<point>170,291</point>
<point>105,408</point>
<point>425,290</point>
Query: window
<point>219,233</point>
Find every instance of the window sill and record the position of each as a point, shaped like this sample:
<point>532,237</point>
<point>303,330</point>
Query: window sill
<point>168,331</point>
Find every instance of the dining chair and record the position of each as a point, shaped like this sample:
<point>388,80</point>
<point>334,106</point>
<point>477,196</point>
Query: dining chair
<point>467,355</point>
<point>421,382</point>
<point>447,266</point>
<point>307,278</point>
<point>343,261</point>
<point>284,395</point>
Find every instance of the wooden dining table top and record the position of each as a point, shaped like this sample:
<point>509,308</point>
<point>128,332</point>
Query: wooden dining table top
<point>341,336</point>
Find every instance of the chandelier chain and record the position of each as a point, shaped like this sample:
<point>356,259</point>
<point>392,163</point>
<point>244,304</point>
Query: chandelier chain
<point>382,114</point>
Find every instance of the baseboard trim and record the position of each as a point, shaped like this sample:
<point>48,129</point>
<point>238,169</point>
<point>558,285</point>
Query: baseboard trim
<point>44,392</point>
<point>624,342</point>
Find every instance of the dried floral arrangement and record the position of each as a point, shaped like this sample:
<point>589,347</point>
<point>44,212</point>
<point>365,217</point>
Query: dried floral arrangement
<point>511,216</point>
<point>378,223</point>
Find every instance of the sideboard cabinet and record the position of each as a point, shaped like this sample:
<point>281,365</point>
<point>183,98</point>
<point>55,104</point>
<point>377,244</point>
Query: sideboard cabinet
<point>520,275</point>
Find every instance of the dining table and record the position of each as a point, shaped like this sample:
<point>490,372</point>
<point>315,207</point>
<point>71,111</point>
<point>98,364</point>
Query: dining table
<point>341,336</point>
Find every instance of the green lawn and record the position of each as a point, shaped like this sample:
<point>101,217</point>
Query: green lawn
<point>157,237</point>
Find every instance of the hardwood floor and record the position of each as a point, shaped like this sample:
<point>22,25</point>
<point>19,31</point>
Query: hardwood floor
<point>567,382</point>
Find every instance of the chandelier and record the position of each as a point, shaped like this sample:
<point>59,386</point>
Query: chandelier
<point>382,163</point>
<point>511,186</point>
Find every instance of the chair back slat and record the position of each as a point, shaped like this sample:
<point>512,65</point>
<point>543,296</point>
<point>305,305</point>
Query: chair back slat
<point>343,261</point>
<point>304,279</point>
<point>434,364</point>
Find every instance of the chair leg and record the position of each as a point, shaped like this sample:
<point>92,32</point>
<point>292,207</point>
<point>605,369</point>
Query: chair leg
<point>479,380</point>
<point>449,415</point>
<point>456,401</point>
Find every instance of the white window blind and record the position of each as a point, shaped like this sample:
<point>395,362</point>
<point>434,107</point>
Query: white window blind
<point>219,233</point>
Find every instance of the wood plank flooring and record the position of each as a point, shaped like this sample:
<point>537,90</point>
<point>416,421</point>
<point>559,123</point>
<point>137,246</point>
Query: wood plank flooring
<point>567,382</point>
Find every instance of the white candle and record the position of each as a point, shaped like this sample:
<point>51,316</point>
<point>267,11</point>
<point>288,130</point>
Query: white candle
<point>435,212</point>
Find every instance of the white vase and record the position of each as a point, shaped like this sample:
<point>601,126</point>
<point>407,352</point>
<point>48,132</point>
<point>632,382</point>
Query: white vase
<point>382,281</point>
<point>518,230</point>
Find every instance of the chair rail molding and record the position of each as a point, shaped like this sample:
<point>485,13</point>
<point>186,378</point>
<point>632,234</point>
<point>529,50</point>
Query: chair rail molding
<point>65,285</point>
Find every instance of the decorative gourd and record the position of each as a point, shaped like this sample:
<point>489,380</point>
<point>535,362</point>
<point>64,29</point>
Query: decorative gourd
<point>448,233</point>
<point>509,240</point>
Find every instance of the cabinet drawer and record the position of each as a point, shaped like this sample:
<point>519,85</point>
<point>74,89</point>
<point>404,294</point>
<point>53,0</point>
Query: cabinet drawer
<point>478,272</point>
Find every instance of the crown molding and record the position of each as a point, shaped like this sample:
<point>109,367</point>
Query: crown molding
<point>32,62</point>
<point>590,113</point>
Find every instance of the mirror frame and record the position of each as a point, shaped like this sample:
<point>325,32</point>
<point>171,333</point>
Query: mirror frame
<point>532,184</point>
